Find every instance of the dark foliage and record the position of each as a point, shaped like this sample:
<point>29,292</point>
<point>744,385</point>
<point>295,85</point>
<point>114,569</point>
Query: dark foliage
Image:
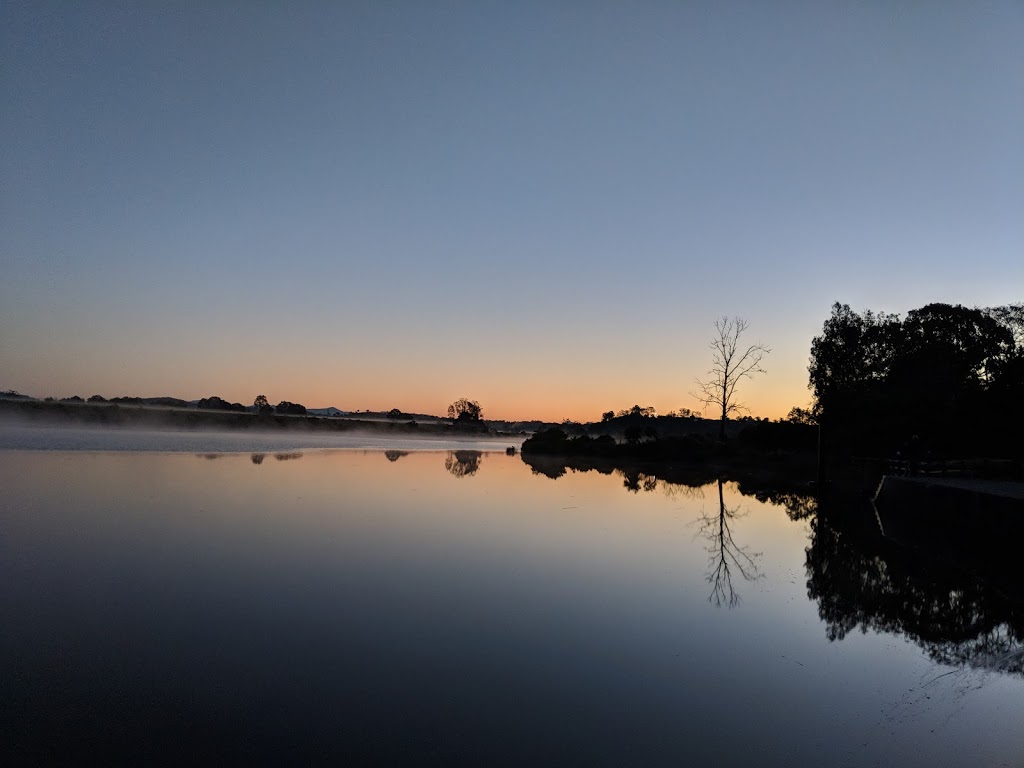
<point>465,410</point>
<point>951,375</point>
<point>215,403</point>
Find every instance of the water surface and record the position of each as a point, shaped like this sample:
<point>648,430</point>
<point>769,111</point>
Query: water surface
<point>454,606</point>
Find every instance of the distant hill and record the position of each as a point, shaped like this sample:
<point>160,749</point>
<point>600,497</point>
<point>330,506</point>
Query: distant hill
<point>332,411</point>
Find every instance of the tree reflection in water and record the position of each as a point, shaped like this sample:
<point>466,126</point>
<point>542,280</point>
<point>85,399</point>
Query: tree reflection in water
<point>863,581</point>
<point>967,618</point>
<point>726,558</point>
<point>395,455</point>
<point>463,463</point>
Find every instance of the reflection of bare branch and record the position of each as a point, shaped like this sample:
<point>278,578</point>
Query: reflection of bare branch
<point>463,463</point>
<point>724,555</point>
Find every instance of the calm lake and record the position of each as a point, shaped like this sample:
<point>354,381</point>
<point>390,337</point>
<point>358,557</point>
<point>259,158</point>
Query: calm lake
<point>425,603</point>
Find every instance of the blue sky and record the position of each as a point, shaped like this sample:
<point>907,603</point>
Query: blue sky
<point>542,206</point>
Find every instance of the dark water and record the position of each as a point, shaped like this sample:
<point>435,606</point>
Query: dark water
<point>453,607</point>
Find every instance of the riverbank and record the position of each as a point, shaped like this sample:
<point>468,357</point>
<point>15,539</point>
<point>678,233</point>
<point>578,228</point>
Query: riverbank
<point>43,413</point>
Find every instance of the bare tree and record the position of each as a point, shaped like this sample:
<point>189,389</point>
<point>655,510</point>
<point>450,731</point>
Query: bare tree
<point>731,364</point>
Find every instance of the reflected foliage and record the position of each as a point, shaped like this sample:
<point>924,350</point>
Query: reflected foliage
<point>463,463</point>
<point>863,581</point>
<point>257,458</point>
<point>288,456</point>
<point>393,455</point>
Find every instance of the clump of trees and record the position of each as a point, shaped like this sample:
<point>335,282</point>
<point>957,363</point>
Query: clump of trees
<point>949,374</point>
<point>215,403</point>
<point>287,408</point>
<point>464,410</point>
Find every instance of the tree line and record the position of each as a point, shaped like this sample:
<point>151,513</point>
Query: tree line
<point>946,380</point>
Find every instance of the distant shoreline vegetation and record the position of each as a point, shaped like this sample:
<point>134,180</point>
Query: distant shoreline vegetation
<point>214,412</point>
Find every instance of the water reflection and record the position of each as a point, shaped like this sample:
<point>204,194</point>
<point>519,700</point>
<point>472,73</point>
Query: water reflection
<point>463,463</point>
<point>161,604</point>
<point>726,558</point>
<point>288,456</point>
<point>861,580</point>
<point>395,455</point>
<point>967,616</point>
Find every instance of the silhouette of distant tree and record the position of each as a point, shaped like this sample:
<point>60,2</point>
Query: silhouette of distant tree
<point>262,405</point>
<point>291,409</point>
<point>464,410</point>
<point>731,363</point>
<point>637,411</point>
<point>214,403</point>
<point>799,415</point>
<point>607,415</point>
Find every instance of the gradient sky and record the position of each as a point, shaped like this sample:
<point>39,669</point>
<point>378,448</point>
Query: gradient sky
<point>541,206</point>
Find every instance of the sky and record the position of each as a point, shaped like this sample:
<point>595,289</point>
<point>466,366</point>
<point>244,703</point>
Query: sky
<point>540,206</point>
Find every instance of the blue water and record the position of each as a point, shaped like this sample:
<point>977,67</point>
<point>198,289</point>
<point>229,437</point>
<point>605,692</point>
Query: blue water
<point>453,607</point>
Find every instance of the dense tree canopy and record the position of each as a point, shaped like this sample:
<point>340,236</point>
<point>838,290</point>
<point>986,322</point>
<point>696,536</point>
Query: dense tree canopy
<point>941,373</point>
<point>464,410</point>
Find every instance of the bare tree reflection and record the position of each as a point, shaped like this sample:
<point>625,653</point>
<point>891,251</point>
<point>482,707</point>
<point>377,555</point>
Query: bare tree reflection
<point>463,463</point>
<point>257,458</point>
<point>395,455</point>
<point>288,456</point>
<point>726,558</point>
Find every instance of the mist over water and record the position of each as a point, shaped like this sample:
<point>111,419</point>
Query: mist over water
<point>16,435</point>
<point>453,606</point>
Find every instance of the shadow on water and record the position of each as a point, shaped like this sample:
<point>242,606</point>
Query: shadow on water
<point>463,463</point>
<point>963,608</point>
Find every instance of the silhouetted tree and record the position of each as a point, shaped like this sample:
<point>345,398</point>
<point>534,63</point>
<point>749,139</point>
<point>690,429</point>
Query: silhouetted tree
<point>731,363</point>
<point>877,379</point>
<point>97,399</point>
<point>799,415</point>
<point>464,410</point>
<point>214,403</point>
<point>262,405</point>
<point>637,411</point>
<point>291,409</point>
<point>607,415</point>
